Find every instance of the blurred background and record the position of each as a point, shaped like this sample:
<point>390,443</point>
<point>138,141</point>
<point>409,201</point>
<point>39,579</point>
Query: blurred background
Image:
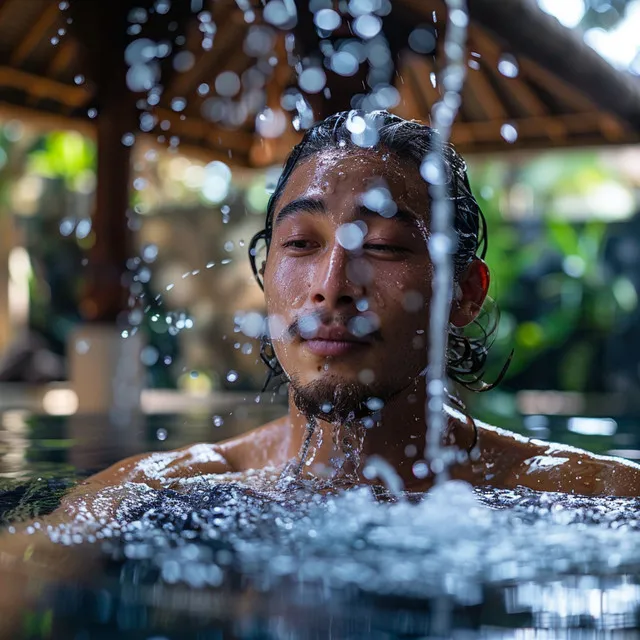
<point>138,145</point>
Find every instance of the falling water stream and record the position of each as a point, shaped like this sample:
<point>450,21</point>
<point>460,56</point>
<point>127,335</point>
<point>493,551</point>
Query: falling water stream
<point>442,242</point>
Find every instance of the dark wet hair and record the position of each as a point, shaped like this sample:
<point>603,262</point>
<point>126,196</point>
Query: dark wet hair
<point>466,354</point>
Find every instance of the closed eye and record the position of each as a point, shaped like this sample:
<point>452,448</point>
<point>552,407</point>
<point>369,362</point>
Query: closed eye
<point>384,247</point>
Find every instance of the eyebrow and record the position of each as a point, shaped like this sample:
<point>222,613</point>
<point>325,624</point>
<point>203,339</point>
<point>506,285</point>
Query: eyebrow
<point>311,205</point>
<point>300,205</point>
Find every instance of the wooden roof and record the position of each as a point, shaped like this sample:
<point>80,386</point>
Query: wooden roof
<point>563,95</point>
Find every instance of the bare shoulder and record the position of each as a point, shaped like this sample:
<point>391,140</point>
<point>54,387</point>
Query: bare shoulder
<point>516,460</point>
<point>264,446</point>
<point>159,468</point>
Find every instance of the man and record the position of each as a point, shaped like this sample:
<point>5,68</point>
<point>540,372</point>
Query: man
<point>347,281</point>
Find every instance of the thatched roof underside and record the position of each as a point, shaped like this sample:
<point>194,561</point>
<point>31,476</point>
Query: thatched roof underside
<point>542,102</point>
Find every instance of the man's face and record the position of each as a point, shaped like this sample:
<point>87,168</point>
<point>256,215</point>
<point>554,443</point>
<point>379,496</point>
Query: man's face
<point>348,275</point>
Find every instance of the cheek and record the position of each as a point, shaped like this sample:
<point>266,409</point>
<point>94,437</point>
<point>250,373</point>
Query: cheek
<point>285,285</point>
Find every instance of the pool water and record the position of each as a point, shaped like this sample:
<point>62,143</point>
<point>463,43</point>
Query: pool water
<point>230,560</point>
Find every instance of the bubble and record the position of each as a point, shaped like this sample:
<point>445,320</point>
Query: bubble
<point>359,271</point>
<point>82,346</point>
<point>203,89</point>
<point>149,356</point>
<point>367,26</point>
<point>508,66</point>
<point>312,80</point>
<point>232,376</point>
<point>162,6</point>
<point>247,348</point>
<point>217,179</point>
<point>276,13</point>
<point>218,421</point>
<point>252,324</point>
<point>183,61</point>
<point>431,170</point>
<point>141,77</point>
<point>379,199</point>
<point>327,19</point>
<point>362,305</point>
<point>308,326</point>
<point>271,123</point>
<point>67,225</point>
<point>509,133</point>
<point>178,104</point>
<point>79,79</point>
<point>420,469</point>
<point>83,228</point>
<point>140,51</point>
<point>422,39</point>
<point>410,450</point>
<point>355,123</point>
<point>161,434</point>
<point>363,325</point>
<point>374,404</point>
<point>366,376</point>
<point>344,63</point>
<point>413,301</point>
<point>227,84</point>
<point>326,407</point>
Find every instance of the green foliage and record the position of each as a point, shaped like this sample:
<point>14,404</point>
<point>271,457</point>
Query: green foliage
<point>64,154</point>
<point>560,265</point>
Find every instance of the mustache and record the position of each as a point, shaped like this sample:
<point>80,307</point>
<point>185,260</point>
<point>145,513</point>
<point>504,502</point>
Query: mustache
<point>307,322</point>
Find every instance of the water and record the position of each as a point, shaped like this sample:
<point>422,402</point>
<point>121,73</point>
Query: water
<point>236,558</point>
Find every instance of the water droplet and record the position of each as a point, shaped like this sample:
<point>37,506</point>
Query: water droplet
<point>344,63</point>
<point>55,40</point>
<point>508,66</point>
<point>227,84</point>
<point>218,421</point>
<point>420,469</point>
<point>312,80</point>
<point>327,19</point>
<point>422,39</point>
<point>128,139</point>
<point>178,104</point>
<point>271,123</point>
<point>92,113</point>
<point>183,61</point>
<point>366,376</point>
<point>82,346</point>
<point>79,79</point>
<point>161,434</point>
<point>509,133</point>
<point>149,356</point>
<point>232,376</point>
<point>203,89</point>
<point>367,26</point>
<point>350,236</point>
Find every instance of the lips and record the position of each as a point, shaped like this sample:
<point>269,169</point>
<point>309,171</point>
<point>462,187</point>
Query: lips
<point>335,341</point>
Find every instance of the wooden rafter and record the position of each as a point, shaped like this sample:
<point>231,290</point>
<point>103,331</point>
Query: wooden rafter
<point>40,87</point>
<point>35,34</point>
<point>67,50</point>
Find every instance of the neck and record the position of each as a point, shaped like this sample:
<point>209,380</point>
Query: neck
<point>398,436</point>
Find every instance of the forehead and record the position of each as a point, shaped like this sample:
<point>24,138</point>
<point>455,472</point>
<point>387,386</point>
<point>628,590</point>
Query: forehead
<point>342,173</point>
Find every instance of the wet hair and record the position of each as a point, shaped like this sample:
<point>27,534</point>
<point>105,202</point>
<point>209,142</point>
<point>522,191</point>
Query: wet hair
<point>467,350</point>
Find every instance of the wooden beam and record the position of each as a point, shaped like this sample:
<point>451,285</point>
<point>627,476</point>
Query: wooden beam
<point>46,121</point>
<point>534,127</point>
<point>531,33</point>
<point>35,34</point>
<point>40,87</point>
<point>67,51</point>
<point>491,54</point>
<point>4,6</point>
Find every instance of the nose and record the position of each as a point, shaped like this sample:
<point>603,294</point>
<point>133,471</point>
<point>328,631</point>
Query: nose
<point>331,286</point>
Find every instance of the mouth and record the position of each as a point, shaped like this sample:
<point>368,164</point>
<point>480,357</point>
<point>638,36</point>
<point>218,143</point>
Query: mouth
<point>335,342</point>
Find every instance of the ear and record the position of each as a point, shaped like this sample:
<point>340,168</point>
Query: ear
<point>469,293</point>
